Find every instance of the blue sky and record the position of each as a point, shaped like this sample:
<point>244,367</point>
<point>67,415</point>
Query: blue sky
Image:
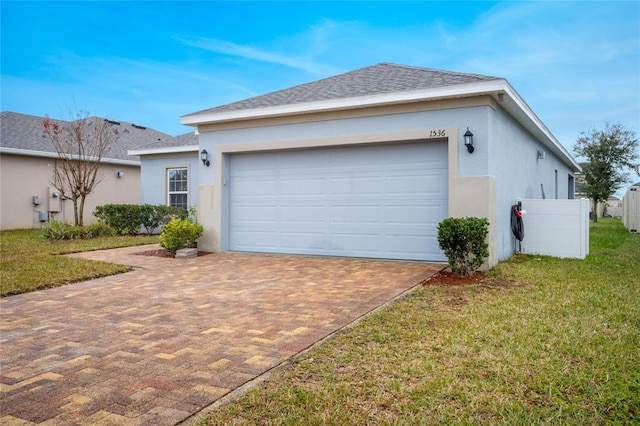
<point>577,64</point>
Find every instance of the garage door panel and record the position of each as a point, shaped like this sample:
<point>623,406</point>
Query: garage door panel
<point>382,201</point>
<point>354,185</point>
<point>303,243</point>
<point>411,215</point>
<point>349,244</point>
<point>301,186</point>
<point>355,215</point>
<point>421,183</point>
<point>304,214</point>
<point>256,239</point>
<point>249,188</point>
<point>255,214</point>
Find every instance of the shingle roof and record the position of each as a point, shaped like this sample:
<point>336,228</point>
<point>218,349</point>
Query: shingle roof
<point>376,79</point>
<point>188,139</point>
<point>21,131</point>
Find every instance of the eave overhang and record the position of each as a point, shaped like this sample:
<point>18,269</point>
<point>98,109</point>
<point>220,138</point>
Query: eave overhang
<point>44,154</point>
<point>499,89</point>
<point>165,150</point>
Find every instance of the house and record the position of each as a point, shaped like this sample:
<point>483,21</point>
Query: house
<point>367,163</point>
<point>27,158</point>
<point>613,206</point>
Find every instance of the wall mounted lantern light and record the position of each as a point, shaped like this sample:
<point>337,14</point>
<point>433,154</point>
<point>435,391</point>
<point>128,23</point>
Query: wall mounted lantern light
<point>541,155</point>
<point>204,157</point>
<point>468,141</point>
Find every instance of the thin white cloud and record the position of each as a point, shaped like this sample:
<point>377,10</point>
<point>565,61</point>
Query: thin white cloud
<point>232,49</point>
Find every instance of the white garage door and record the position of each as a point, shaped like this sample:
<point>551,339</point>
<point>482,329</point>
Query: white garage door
<point>378,201</point>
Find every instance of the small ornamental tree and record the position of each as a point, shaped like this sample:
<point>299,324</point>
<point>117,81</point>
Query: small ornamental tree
<point>463,241</point>
<point>80,145</point>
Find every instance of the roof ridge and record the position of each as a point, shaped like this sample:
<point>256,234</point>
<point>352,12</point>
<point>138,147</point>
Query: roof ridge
<point>384,77</point>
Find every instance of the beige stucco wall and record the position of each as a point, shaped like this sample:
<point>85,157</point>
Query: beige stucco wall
<point>476,197</point>
<point>21,177</point>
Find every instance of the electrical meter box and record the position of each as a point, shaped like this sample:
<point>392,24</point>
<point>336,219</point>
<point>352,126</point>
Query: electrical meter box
<point>37,200</point>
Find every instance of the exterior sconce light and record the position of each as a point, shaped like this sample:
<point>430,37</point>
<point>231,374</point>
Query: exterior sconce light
<point>468,141</point>
<point>119,173</point>
<point>204,157</point>
<point>541,155</point>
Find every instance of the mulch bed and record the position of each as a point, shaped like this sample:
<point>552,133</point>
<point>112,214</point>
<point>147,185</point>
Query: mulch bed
<point>164,253</point>
<point>448,278</point>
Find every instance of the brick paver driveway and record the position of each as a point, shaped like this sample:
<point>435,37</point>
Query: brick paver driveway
<point>159,344</point>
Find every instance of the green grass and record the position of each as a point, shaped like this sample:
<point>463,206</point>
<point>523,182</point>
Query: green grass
<point>29,262</point>
<point>540,341</point>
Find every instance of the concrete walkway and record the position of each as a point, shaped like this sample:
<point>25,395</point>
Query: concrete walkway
<point>157,345</point>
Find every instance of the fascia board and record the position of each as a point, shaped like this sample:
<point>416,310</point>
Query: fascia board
<point>165,150</point>
<point>463,90</point>
<point>492,88</point>
<point>44,154</point>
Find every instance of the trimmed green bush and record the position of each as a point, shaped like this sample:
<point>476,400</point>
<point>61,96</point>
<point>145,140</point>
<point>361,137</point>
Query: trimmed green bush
<point>180,233</point>
<point>130,218</point>
<point>124,218</point>
<point>463,241</point>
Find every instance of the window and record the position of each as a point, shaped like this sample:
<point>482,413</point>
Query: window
<point>572,188</point>
<point>178,187</point>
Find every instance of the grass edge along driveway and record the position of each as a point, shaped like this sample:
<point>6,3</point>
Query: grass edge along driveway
<point>29,262</point>
<point>540,340</point>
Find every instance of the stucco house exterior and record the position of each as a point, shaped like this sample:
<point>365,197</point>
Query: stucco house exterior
<point>27,158</point>
<point>170,170</point>
<point>366,164</point>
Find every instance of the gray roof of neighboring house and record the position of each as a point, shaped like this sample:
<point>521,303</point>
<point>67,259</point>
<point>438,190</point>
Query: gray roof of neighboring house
<point>188,139</point>
<point>21,131</point>
<point>376,79</point>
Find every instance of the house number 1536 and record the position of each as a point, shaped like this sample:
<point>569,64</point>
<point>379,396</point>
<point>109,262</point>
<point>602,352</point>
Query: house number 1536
<point>437,133</point>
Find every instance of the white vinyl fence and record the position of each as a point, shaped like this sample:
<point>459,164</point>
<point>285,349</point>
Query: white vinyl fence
<point>631,209</point>
<point>557,228</point>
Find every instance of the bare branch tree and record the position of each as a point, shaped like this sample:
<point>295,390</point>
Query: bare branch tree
<point>80,145</point>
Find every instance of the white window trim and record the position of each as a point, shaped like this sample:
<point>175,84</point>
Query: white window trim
<point>168,193</point>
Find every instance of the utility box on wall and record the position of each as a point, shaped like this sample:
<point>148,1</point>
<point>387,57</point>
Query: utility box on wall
<point>631,209</point>
<point>55,200</point>
<point>557,228</point>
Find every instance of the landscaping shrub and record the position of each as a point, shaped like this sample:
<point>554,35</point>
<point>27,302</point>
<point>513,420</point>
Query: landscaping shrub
<point>56,230</point>
<point>154,216</point>
<point>129,218</point>
<point>463,241</point>
<point>179,233</point>
<point>124,218</point>
<point>97,230</point>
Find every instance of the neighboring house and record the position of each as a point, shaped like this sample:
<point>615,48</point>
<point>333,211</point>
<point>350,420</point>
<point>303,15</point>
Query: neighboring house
<point>613,206</point>
<point>366,164</point>
<point>27,158</point>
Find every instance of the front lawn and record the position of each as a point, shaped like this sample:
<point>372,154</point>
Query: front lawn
<point>541,340</point>
<point>29,262</point>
